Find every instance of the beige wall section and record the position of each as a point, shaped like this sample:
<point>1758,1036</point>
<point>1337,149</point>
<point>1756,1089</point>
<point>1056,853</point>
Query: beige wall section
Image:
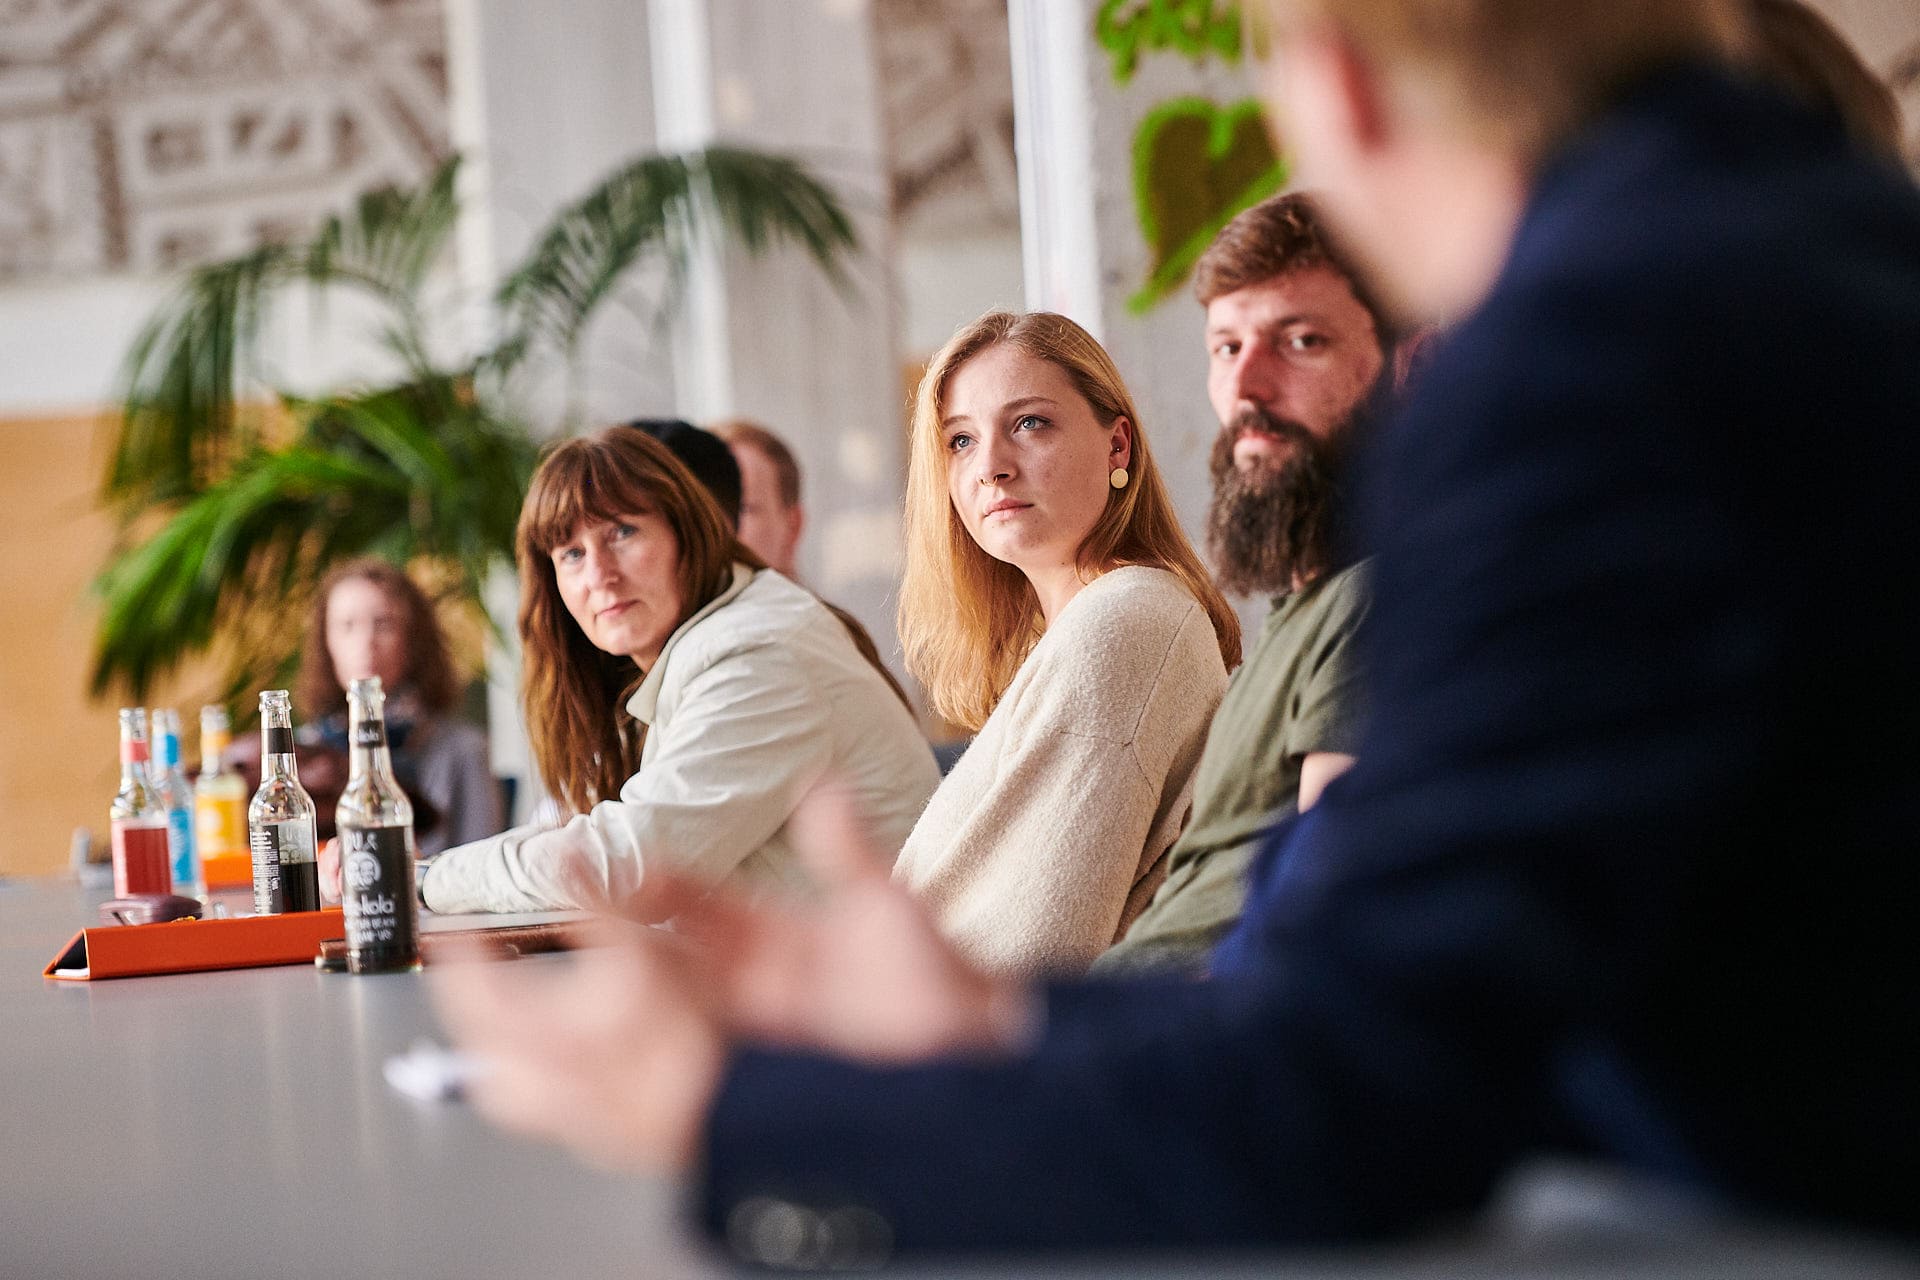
<point>57,749</point>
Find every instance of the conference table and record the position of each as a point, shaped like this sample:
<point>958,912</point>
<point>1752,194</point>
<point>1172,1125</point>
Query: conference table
<point>239,1124</point>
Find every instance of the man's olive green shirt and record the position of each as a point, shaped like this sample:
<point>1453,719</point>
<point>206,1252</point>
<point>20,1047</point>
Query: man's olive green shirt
<point>1297,693</point>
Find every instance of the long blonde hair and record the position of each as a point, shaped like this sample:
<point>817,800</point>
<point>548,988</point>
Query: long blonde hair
<point>583,743</point>
<point>967,621</point>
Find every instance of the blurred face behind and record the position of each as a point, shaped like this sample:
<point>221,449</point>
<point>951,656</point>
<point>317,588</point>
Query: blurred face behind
<point>769,527</point>
<point>1028,461</point>
<point>620,581</point>
<point>366,634</point>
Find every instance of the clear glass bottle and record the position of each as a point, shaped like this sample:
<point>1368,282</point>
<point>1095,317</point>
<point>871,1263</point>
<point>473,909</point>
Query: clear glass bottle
<point>376,846</point>
<point>176,797</point>
<point>137,818</point>
<point>219,797</point>
<point>280,821</point>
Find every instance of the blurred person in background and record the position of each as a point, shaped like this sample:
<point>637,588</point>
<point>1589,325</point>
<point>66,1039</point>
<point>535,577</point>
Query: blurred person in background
<point>717,466</point>
<point>771,517</point>
<point>370,619</point>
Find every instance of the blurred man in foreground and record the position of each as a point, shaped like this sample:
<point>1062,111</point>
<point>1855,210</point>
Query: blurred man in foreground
<point>1626,861</point>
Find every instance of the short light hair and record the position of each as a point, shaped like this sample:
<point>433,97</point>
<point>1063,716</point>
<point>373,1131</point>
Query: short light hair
<point>745,431</point>
<point>1525,74</point>
<point>967,621</point>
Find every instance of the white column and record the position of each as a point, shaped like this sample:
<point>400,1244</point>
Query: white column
<point>546,101</point>
<point>1053,102</point>
<point>770,338</point>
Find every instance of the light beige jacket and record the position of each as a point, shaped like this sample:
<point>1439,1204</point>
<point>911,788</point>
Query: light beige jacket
<point>1052,831</point>
<point>753,700</point>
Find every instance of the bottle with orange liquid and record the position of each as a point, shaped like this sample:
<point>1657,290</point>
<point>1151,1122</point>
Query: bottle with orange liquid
<point>220,806</point>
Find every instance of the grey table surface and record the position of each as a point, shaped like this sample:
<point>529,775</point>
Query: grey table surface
<point>238,1124</point>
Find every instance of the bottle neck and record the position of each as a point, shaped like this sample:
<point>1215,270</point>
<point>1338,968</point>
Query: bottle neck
<point>133,762</point>
<point>169,752</point>
<point>212,748</point>
<point>367,751</point>
<point>276,752</point>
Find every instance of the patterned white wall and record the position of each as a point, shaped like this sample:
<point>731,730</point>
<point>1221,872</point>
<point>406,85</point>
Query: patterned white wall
<point>137,135</point>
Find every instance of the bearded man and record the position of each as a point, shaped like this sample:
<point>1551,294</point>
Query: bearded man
<point>1297,355</point>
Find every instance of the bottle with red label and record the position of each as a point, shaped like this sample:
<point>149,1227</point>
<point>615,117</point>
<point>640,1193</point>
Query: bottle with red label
<point>138,817</point>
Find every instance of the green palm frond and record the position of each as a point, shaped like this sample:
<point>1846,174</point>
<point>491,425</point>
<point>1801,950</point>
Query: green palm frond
<point>183,383</point>
<point>182,417</point>
<point>391,239</point>
<point>433,467</point>
<point>659,206</point>
<point>416,471</point>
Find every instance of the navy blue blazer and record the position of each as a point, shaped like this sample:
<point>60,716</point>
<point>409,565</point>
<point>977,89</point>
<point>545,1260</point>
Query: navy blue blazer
<point>1629,856</point>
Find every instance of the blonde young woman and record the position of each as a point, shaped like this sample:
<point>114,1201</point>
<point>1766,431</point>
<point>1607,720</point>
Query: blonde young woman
<point>680,697</point>
<point>1053,605</point>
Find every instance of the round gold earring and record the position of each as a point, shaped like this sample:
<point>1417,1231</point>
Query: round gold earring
<point>1118,477</point>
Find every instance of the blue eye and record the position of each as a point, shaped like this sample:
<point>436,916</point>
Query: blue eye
<point>1021,423</point>
<point>958,441</point>
<point>565,555</point>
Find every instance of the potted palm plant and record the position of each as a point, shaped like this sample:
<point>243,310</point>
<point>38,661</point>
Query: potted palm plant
<point>234,500</point>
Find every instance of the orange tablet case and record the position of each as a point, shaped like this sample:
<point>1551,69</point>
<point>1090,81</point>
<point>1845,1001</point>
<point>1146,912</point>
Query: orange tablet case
<point>192,946</point>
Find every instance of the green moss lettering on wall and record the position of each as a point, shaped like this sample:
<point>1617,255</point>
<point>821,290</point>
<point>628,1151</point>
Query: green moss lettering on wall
<point>1197,28</point>
<point>1195,165</point>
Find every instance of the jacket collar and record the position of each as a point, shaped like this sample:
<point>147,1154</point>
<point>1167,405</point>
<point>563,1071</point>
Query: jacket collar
<point>647,697</point>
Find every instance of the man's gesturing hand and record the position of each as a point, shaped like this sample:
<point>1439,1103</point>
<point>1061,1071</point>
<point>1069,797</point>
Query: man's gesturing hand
<point>618,1054</point>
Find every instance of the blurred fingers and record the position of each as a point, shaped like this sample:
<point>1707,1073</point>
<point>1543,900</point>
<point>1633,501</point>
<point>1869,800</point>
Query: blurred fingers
<point>329,857</point>
<point>832,838</point>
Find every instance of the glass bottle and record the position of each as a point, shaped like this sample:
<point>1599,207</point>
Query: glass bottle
<point>376,846</point>
<point>280,821</point>
<point>219,796</point>
<point>137,818</point>
<point>176,797</point>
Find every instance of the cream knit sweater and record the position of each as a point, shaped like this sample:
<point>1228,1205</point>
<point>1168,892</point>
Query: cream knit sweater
<point>1051,833</point>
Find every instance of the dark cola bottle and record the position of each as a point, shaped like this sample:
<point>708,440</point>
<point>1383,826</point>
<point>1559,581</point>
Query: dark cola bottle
<point>376,846</point>
<point>280,820</point>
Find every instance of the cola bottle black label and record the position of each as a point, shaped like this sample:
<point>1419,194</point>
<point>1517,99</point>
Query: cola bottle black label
<point>377,893</point>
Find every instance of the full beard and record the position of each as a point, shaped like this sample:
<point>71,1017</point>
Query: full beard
<point>1274,524</point>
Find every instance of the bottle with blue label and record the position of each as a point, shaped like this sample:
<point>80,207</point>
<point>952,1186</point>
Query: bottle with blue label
<point>176,796</point>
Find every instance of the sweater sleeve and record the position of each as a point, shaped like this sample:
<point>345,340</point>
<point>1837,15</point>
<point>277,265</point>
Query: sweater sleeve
<point>1062,845</point>
<point>1053,851</point>
<point>749,737</point>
